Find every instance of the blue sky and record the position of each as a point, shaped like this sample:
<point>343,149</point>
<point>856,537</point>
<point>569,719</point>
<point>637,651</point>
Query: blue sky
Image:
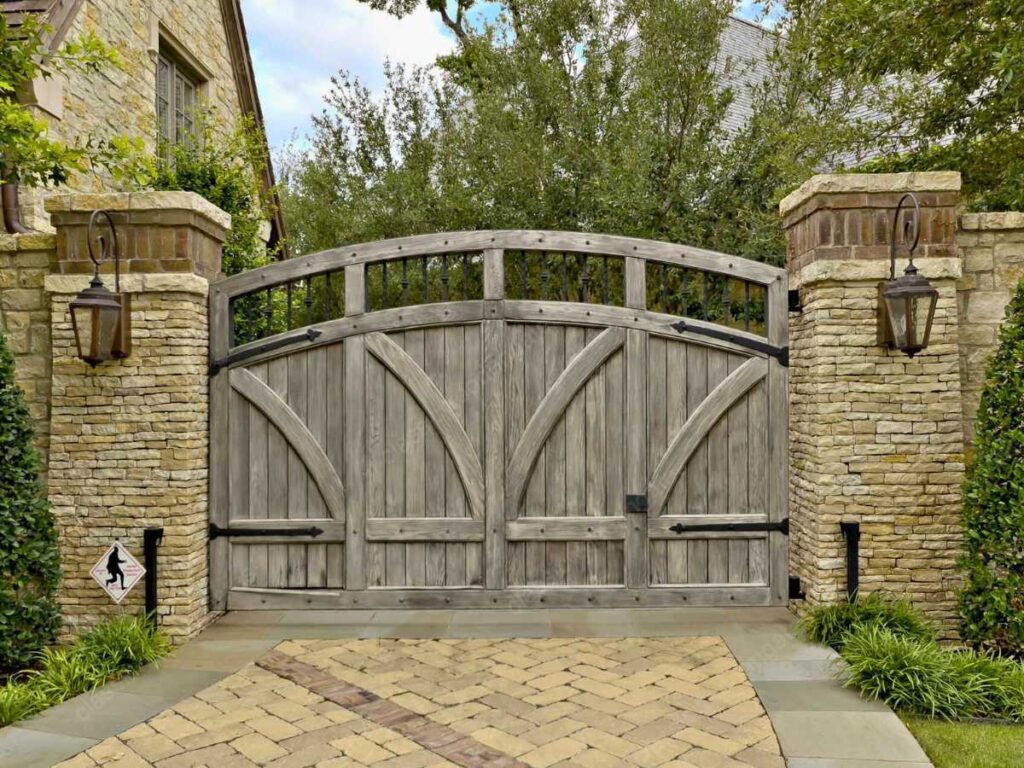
<point>298,44</point>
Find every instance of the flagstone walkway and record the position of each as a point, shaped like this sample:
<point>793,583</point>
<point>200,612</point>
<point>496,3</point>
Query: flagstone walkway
<point>502,689</point>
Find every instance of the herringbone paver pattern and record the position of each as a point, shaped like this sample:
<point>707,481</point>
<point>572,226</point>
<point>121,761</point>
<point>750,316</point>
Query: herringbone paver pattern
<point>679,702</point>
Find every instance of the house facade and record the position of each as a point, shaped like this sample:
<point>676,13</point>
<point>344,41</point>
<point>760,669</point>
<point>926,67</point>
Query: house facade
<point>176,55</point>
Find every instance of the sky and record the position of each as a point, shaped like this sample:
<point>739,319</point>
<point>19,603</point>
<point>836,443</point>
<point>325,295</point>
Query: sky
<point>297,45</point>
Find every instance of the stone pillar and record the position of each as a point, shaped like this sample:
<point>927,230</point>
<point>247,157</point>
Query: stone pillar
<point>875,436</point>
<point>25,261</point>
<point>992,246</point>
<point>129,438</point>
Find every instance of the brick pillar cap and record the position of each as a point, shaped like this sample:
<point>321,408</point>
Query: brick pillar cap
<point>85,202</point>
<point>847,183</point>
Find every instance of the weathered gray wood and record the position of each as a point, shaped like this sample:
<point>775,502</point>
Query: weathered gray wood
<point>473,376</point>
<point>494,451</point>
<point>551,408</point>
<point>566,529</point>
<point>298,488</point>
<point>718,468</point>
<point>238,486</point>
<point>555,455</point>
<point>256,466</point>
<point>434,461</point>
<point>297,435</point>
<point>737,441</point>
<point>335,446</point>
<point>566,597</point>
<point>460,242</point>
<point>594,553</point>
<point>316,421</point>
<point>221,423</point>
<point>675,407</point>
<point>415,466</point>
<point>424,529</point>
<point>778,446</point>
<point>394,470</point>
<point>355,463</point>
<point>278,452</point>
<point>441,414</point>
<point>494,274</point>
<point>355,289</point>
<point>697,426</point>
<point>636,283</point>
<point>636,547</point>
<point>374,403</point>
<point>455,495</point>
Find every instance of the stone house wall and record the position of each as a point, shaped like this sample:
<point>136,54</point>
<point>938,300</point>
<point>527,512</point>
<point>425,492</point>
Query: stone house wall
<point>992,247</point>
<point>98,106</point>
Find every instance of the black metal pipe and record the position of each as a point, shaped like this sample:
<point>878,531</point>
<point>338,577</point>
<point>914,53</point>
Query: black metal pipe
<point>851,532</point>
<point>151,538</point>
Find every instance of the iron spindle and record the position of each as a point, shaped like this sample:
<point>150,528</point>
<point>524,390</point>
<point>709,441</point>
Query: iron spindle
<point>309,301</point>
<point>585,278</point>
<point>664,288</point>
<point>465,276</point>
<point>268,314</point>
<point>522,275</point>
<point>384,283</point>
<point>727,302</point>
<point>405,281</point>
<point>705,291</point>
<point>444,277</point>
<point>565,279</point>
<point>746,306</point>
<point>544,275</point>
<point>288,292</point>
<point>329,302</point>
<point>425,288</point>
<point>604,279</point>
<point>685,290</point>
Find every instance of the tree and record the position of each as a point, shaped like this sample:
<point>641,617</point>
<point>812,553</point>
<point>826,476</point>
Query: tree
<point>29,559</point>
<point>992,599</point>
<point>29,156</point>
<point>939,83</point>
<point>599,115</point>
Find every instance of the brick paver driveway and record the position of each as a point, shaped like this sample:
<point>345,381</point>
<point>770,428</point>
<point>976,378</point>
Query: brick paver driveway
<point>677,702</point>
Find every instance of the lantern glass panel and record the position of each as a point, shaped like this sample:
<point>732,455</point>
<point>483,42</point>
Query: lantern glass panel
<point>897,311</point>
<point>94,330</point>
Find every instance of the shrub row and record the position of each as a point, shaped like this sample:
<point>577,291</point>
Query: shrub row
<point>891,654</point>
<point>117,647</point>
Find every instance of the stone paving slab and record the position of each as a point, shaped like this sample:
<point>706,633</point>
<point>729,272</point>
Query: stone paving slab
<point>511,703</point>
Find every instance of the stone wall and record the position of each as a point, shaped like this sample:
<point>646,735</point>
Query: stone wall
<point>992,246</point>
<point>25,261</point>
<point>129,438</point>
<point>875,436</point>
<point>122,101</point>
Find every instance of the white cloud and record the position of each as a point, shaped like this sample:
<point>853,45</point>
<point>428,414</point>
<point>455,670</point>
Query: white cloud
<point>297,45</point>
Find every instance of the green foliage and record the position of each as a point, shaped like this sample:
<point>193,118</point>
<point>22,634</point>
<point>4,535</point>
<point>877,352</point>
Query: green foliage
<point>939,84</point>
<point>117,647</point>
<point>832,625</point>
<point>29,155</point>
<point>29,558</point>
<point>922,677</point>
<point>594,115</point>
<point>992,599</point>
<point>222,165</point>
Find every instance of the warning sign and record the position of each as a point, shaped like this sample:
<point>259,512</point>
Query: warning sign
<point>117,572</point>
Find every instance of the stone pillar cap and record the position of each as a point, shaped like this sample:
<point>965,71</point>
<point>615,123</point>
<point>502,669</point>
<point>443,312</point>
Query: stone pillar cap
<point>85,202</point>
<point>853,183</point>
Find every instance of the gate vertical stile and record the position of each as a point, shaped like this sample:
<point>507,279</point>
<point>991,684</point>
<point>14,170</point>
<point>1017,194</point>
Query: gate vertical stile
<point>778,435</point>
<point>355,434</point>
<point>636,544</point>
<point>494,418</point>
<point>220,408</point>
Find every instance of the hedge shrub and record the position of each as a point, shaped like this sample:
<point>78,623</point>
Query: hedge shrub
<point>29,558</point>
<point>992,599</point>
<point>831,625</point>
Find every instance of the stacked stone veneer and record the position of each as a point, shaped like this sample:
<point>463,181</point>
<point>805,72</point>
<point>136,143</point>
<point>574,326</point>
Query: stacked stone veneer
<point>875,436</point>
<point>129,438</point>
<point>992,246</point>
<point>25,260</point>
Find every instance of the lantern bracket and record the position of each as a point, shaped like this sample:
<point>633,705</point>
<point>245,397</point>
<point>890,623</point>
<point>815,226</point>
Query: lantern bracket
<point>104,254</point>
<point>908,226</point>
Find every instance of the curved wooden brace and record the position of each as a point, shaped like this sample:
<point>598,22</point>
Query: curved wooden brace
<point>696,428</point>
<point>551,408</point>
<point>440,413</point>
<point>297,436</point>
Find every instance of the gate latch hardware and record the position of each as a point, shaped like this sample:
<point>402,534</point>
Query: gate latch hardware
<point>779,353</point>
<point>636,503</point>
<point>310,334</point>
<point>216,531</point>
<point>779,525</point>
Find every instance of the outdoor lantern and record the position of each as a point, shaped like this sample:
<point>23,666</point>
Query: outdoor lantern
<point>101,319</point>
<point>906,303</point>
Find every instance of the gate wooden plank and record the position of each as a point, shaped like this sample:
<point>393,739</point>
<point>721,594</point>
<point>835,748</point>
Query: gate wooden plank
<point>242,572</point>
<point>474,375</point>
<point>738,435</point>
<point>221,425</point>
<point>534,502</point>
<point>778,445</point>
<point>675,396</point>
<point>355,459</point>
<point>415,467</point>
<point>636,547</point>
<point>373,399</point>
<point>258,472</point>
<point>494,376</point>
<point>434,456</point>
<point>277,459</point>
<point>335,447</point>
<point>615,466</point>
<point>394,471</point>
<point>718,469</point>
<point>316,421</point>
<point>596,552</point>
<point>657,424</point>
<point>455,496</point>
<point>298,496</point>
<point>555,456</point>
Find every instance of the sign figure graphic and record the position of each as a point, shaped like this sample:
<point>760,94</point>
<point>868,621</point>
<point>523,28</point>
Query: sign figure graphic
<point>117,572</point>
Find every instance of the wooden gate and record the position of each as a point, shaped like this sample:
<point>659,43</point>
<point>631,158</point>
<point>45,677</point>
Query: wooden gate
<point>507,418</point>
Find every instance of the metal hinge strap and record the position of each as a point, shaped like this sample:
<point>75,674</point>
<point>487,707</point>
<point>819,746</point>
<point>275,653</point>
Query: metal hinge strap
<point>779,525</point>
<point>216,531</point>
<point>779,353</point>
<point>310,334</point>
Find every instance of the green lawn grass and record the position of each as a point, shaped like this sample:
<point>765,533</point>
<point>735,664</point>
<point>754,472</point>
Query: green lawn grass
<point>969,745</point>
